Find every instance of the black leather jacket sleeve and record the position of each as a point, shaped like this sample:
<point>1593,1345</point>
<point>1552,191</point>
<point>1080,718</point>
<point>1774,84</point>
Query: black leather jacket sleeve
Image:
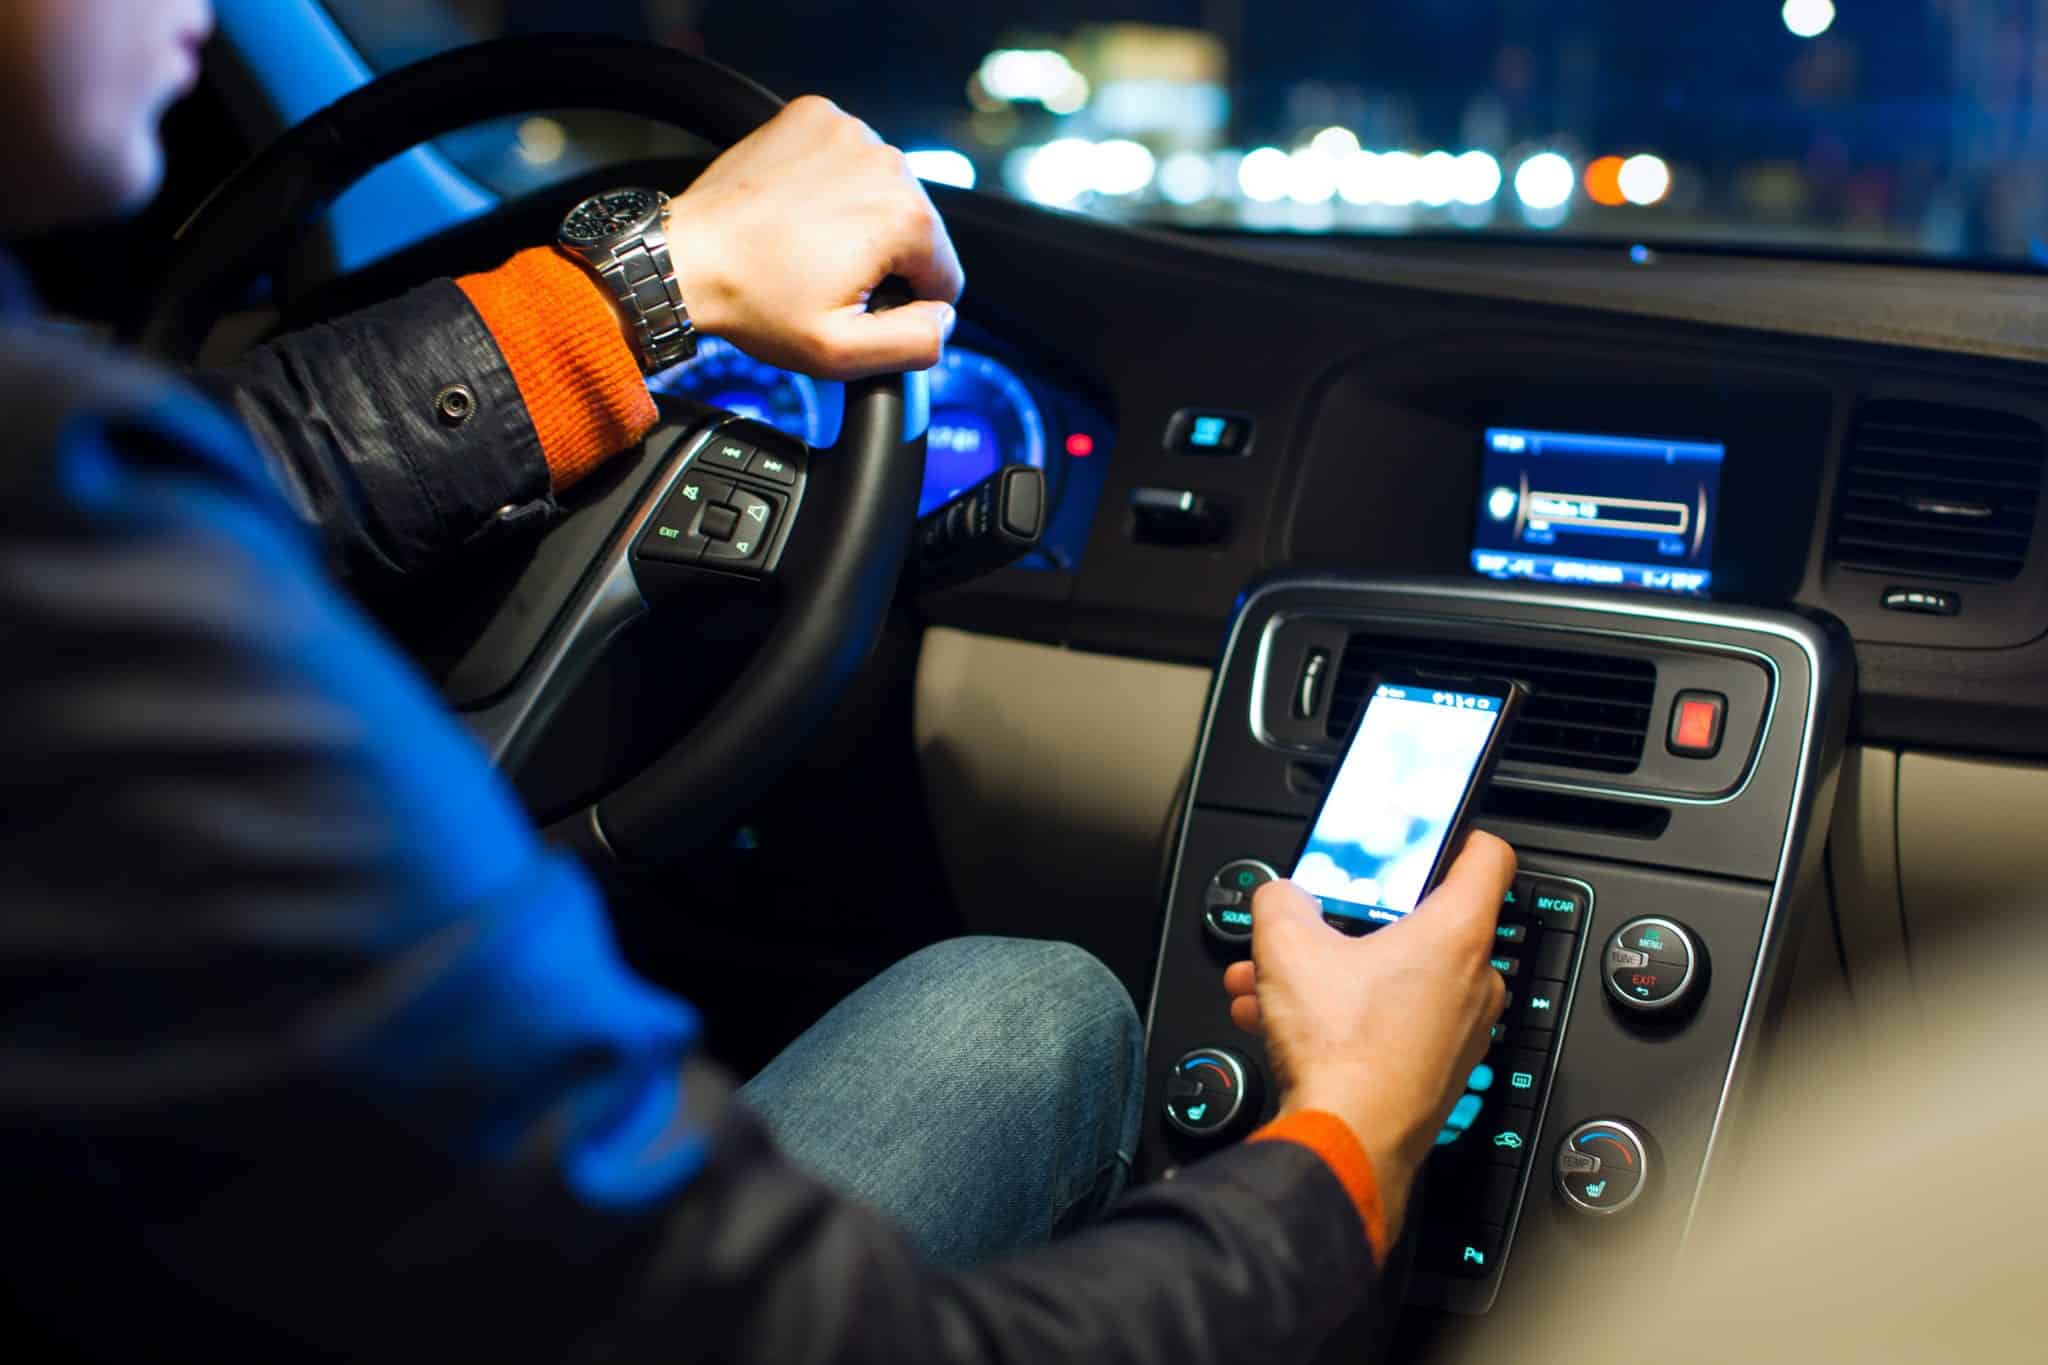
<point>1254,1254</point>
<point>365,431</point>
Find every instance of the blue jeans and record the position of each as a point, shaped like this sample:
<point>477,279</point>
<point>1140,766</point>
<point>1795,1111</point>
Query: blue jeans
<point>983,1092</point>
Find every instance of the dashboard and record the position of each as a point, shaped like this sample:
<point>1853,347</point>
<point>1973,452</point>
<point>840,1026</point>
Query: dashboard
<point>988,411</point>
<point>1865,441</point>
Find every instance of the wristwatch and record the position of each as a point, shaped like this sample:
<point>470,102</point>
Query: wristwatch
<point>621,236</point>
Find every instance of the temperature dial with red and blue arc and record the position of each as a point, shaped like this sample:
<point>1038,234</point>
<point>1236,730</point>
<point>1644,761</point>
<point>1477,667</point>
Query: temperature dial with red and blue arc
<point>1602,1166</point>
<point>1210,1091</point>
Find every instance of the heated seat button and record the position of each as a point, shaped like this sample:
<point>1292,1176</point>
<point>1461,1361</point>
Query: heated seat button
<point>1601,1166</point>
<point>1210,1091</point>
<point>1696,723</point>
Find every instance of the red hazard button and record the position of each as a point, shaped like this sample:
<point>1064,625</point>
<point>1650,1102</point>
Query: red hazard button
<point>1696,719</point>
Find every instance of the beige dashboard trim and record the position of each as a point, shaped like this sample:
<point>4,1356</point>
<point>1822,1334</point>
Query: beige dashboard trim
<point>1039,761</point>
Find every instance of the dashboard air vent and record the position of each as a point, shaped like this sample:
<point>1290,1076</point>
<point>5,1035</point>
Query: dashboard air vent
<point>1935,491</point>
<point>1585,710</point>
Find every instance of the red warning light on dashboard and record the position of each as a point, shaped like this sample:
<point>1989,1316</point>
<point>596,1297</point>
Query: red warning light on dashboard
<point>1080,445</point>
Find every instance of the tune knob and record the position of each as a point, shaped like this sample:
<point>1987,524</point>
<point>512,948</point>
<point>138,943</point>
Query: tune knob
<point>1654,967</point>
<point>1210,1091</point>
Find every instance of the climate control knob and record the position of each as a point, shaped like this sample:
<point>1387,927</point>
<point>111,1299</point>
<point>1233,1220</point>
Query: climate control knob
<point>1602,1166</point>
<point>1211,1091</point>
<point>1654,967</point>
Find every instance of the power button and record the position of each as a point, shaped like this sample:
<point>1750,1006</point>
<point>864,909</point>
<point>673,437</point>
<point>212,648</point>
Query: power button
<point>1227,900</point>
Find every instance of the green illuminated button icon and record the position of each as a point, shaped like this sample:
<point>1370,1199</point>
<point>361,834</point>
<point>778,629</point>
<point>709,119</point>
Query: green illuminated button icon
<point>1542,1004</point>
<point>1227,898</point>
<point>1521,1080</point>
<point>1197,1112</point>
<point>1560,905</point>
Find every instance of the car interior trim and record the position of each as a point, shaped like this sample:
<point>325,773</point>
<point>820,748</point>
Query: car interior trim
<point>1260,673</point>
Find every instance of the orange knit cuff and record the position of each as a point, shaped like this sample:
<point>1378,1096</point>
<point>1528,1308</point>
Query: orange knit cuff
<point>561,339</point>
<point>1330,1138</point>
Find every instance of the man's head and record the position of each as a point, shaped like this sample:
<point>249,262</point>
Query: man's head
<point>83,86</point>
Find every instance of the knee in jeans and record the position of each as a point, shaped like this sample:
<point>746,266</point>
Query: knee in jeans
<point>1044,1005</point>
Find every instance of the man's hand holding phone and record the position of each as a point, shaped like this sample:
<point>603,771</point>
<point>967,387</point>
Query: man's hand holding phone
<point>1380,1031</point>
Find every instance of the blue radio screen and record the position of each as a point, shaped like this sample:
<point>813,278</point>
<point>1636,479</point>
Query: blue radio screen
<point>1602,511</point>
<point>1391,804</point>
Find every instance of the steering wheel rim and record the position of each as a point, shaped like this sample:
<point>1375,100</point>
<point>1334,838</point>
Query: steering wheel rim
<point>866,485</point>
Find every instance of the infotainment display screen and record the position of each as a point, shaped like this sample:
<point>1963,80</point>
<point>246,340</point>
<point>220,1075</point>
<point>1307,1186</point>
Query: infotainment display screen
<point>1602,511</point>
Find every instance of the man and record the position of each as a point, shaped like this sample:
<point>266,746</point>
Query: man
<point>312,1049</point>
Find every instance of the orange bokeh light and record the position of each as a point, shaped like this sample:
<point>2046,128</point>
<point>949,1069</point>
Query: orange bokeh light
<point>1603,182</point>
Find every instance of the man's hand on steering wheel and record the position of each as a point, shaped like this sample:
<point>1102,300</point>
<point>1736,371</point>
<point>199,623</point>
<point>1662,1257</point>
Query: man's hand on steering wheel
<point>780,242</point>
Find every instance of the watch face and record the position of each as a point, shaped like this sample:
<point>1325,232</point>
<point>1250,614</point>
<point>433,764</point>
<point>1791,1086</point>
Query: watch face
<point>605,216</point>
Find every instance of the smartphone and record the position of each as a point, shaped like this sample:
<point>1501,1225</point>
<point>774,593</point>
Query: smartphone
<point>1403,795</point>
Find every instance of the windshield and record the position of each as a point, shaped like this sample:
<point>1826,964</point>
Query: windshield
<point>1898,127</point>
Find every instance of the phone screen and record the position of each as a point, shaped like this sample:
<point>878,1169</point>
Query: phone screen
<point>1393,801</point>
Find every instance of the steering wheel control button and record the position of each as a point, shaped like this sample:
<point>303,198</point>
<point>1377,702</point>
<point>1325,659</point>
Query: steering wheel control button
<point>1227,902</point>
<point>726,454</point>
<point>751,518</point>
<point>766,464</point>
<point>1557,904</point>
<point>1210,1091</point>
<point>1696,723</point>
<point>1654,966</point>
<point>1602,1166</point>
<point>717,523</point>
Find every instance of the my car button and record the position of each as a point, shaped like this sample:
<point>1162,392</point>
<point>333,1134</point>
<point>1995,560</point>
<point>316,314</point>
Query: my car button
<point>1227,901</point>
<point>727,454</point>
<point>1654,966</point>
<point>1602,1166</point>
<point>1696,724</point>
<point>766,464</point>
<point>1556,904</point>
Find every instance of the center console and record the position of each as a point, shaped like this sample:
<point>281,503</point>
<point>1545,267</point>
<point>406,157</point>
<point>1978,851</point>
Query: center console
<point>1666,788</point>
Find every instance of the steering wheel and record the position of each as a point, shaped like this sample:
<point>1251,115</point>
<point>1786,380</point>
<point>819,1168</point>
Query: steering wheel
<point>833,537</point>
